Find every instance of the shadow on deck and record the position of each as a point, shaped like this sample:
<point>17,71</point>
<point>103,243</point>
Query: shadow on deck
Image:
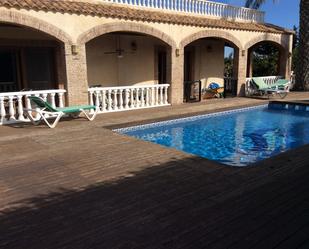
<point>179,204</point>
<point>84,187</point>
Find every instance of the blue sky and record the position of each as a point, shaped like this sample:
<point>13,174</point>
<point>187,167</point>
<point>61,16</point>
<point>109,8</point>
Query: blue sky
<point>284,13</point>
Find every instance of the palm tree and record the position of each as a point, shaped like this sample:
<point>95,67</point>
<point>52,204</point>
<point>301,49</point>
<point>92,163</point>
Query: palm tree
<point>302,71</point>
<point>255,4</point>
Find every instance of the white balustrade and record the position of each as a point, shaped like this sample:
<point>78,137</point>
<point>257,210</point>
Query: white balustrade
<point>126,98</point>
<point>202,7</point>
<point>115,103</point>
<point>11,108</point>
<point>2,110</point>
<point>12,104</point>
<point>142,97</point>
<point>123,98</point>
<point>20,108</point>
<point>269,80</point>
<point>131,94</point>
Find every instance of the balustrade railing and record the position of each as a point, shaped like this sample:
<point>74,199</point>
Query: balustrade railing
<point>201,7</point>
<point>267,79</point>
<point>250,86</point>
<point>12,104</point>
<point>112,99</point>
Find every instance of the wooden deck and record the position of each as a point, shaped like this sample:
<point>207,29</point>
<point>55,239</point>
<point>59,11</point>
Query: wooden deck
<point>81,186</point>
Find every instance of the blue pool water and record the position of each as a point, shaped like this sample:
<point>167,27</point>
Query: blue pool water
<point>237,138</point>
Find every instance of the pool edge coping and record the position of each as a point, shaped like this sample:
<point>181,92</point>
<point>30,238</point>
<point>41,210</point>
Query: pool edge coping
<point>195,116</point>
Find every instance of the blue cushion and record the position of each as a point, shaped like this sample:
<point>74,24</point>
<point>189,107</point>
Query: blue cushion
<point>213,86</point>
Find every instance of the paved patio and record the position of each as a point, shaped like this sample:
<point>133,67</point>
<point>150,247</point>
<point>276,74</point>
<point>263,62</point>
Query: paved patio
<point>83,186</point>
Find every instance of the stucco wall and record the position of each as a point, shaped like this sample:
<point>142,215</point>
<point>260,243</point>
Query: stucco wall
<point>209,61</point>
<point>139,67</point>
<point>134,68</point>
<point>7,32</point>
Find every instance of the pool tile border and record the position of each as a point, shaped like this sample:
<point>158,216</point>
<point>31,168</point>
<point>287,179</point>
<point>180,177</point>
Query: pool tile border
<point>192,118</point>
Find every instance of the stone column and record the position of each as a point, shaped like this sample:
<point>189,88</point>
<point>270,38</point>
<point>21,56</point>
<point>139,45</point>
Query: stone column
<point>241,70</point>
<point>177,77</point>
<point>76,72</point>
<point>250,63</point>
<point>60,66</point>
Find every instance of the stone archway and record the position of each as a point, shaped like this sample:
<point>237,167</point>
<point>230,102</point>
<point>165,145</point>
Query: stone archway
<point>52,50</point>
<point>88,37</point>
<point>121,26</point>
<point>226,38</point>
<point>277,41</point>
<point>211,34</point>
<point>267,38</point>
<point>12,17</point>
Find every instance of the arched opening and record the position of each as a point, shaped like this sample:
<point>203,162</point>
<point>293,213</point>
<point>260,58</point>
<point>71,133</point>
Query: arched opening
<point>29,59</point>
<point>265,58</point>
<point>127,59</point>
<point>209,62</point>
<point>230,69</point>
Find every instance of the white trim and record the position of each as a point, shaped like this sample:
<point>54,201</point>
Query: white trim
<point>6,94</point>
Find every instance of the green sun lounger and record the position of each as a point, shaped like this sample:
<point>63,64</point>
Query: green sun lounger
<point>46,110</point>
<point>280,87</point>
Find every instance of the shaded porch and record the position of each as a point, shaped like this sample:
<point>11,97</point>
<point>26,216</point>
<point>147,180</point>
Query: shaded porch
<point>31,63</point>
<point>30,60</point>
<point>210,61</point>
<point>128,70</point>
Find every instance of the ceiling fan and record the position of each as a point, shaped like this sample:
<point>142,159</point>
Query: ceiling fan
<point>119,51</point>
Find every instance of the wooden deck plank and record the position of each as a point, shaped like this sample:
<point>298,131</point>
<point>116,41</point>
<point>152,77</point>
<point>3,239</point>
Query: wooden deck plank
<point>246,215</point>
<point>304,244</point>
<point>83,186</point>
<point>296,240</point>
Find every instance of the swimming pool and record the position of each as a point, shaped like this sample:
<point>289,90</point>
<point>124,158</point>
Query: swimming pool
<point>237,138</point>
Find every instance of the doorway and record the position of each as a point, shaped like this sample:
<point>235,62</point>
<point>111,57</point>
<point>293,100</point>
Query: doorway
<point>192,88</point>
<point>39,69</point>
<point>27,68</point>
<point>188,64</point>
<point>162,67</point>
<point>8,71</point>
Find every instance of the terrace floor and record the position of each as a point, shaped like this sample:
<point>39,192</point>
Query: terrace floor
<point>81,186</point>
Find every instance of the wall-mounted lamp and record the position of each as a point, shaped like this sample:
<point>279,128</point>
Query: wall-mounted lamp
<point>133,46</point>
<point>74,50</point>
<point>243,52</point>
<point>177,52</point>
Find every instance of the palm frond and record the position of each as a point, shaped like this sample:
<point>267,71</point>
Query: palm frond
<point>249,3</point>
<point>255,4</point>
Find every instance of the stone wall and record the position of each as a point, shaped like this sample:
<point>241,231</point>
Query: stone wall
<point>77,30</point>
